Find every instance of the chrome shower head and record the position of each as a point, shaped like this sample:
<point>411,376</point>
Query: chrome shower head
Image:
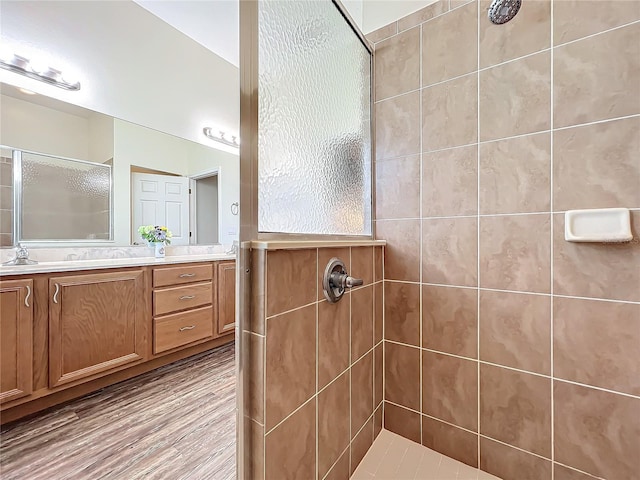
<point>501,11</point>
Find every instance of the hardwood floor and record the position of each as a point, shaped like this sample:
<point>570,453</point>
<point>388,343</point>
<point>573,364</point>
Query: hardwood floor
<point>174,423</point>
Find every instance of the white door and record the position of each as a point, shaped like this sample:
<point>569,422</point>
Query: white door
<point>161,200</point>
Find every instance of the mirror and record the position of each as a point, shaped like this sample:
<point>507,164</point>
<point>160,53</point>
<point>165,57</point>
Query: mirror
<point>128,148</point>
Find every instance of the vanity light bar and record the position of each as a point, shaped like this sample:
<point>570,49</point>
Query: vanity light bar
<point>49,75</point>
<point>208,131</point>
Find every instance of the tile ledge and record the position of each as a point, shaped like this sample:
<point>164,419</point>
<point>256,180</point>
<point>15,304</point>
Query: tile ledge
<point>302,244</point>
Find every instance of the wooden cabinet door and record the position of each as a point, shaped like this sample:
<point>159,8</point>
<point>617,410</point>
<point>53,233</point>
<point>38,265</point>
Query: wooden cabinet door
<point>16,339</point>
<point>96,324</point>
<point>226,297</point>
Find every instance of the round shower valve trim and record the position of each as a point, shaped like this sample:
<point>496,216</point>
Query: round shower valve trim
<point>336,280</point>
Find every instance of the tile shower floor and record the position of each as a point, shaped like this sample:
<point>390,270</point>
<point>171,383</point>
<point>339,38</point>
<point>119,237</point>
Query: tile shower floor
<point>392,457</point>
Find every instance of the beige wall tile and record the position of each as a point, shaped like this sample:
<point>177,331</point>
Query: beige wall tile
<point>402,252</point>
<point>515,408</point>
<point>361,444</point>
<point>515,97</point>
<point>402,421</point>
<point>450,320</point>
<point>254,357</point>
<point>402,313</point>
<point>258,290</point>
<point>378,318</point>
<point>515,330</point>
<point>378,375</point>
<point>597,78</point>
<point>427,13</point>
<point>382,33</point>
<point>290,449</point>
<point>597,166</point>
<point>290,363</point>
<point>378,263</point>
<point>340,470</point>
<point>561,472</point>
<point>333,423</point>
<point>398,188</point>
<point>450,113</point>
<point>528,32</point>
<point>255,432</point>
<point>324,257</point>
<point>573,19</point>
<point>458,3</point>
<point>450,441</point>
<point>290,267</point>
<point>362,264</point>
<point>397,64</point>
<point>596,270</point>
<point>509,463</point>
<point>450,45</point>
<point>361,392</point>
<point>398,126</point>
<point>450,182</point>
<point>450,251</point>
<point>377,421</point>
<point>361,322</point>
<point>515,253</point>
<point>333,339</point>
<point>402,376</point>
<point>593,341</point>
<point>596,432</point>
<point>515,175</point>
<point>450,389</point>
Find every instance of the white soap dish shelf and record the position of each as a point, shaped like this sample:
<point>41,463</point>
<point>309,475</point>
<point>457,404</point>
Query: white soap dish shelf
<point>602,225</point>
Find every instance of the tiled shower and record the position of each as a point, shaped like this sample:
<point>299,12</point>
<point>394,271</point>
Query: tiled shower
<point>505,346</point>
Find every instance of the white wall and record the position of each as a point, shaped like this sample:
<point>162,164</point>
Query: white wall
<point>378,13</point>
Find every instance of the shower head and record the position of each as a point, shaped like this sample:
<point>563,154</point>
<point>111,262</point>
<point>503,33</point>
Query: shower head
<point>501,11</point>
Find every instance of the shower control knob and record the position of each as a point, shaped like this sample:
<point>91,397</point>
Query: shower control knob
<point>336,280</point>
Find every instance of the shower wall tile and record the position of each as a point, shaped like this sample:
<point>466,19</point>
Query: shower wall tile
<point>451,441</point>
<point>398,188</point>
<point>597,270</point>
<point>450,114</point>
<point>361,392</point>
<point>361,264</point>
<point>515,97</point>
<point>528,32</point>
<point>258,291</point>
<point>340,470</point>
<point>515,330</point>
<point>592,339</point>
<point>573,19</point>
<point>361,321</point>
<point>378,375</point>
<point>597,166</point>
<point>515,252</point>
<point>402,253</point>
<point>333,423</point>
<point>450,251</point>
<point>397,64</point>
<point>450,182</point>
<point>450,389</point>
<point>382,33</point>
<point>361,444</point>
<point>450,320</point>
<point>398,126</point>
<point>333,339</point>
<point>476,246</point>
<point>597,78</point>
<point>449,45</point>
<point>596,431</point>
<point>515,175</point>
<point>378,263</point>
<point>402,312</point>
<point>515,408</point>
<point>291,267</point>
<point>378,319</point>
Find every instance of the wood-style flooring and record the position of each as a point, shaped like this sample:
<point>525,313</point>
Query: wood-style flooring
<point>174,423</point>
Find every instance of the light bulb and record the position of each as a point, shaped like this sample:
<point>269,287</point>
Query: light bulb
<point>38,65</point>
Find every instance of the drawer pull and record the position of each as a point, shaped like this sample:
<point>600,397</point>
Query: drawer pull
<point>55,295</point>
<point>187,297</point>
<point>190,327</point>
<point>26,299</point>
<point>186,275</point>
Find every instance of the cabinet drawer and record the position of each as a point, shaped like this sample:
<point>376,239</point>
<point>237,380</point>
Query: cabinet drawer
<point>163,277</point>
<point>182,328</point>
<point>174,299</point>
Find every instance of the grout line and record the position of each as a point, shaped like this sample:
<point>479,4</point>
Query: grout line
<point>264,366</point>
<point>478,242</point>
<point>317,355</point>
<point>292,310</point>
<point>590,36</point>
<point>551,234</point>
<point>311,398</point>
<point>337,460</point>
<point>596,122</point>
<point>421,235</point>
<point>577,470</point>
<point>517,448</point>
<point>254,333</point>
<point>350,365</point>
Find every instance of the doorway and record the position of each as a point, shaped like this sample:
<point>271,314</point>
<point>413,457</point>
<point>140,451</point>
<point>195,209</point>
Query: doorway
<point>205,208</point>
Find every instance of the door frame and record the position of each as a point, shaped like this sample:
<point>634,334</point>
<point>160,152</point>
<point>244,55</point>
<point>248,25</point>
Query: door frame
<point>193,224</point>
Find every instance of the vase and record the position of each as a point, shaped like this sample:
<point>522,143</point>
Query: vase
<point>160,249</point>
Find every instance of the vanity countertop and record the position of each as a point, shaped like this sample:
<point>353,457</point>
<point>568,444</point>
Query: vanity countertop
<point>69,266</point>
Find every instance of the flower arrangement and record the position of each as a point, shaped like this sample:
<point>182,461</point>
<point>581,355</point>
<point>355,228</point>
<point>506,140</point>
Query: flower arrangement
<point>155,233</point>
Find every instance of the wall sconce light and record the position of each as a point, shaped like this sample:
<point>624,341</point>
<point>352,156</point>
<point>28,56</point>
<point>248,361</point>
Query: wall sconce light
<point>23,66</point>
<point>221,138</point>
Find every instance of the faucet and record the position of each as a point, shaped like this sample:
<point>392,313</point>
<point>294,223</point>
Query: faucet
<point>21,258</point>
<point>234,249</point>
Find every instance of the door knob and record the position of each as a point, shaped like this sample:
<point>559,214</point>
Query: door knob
<point>336,280</point>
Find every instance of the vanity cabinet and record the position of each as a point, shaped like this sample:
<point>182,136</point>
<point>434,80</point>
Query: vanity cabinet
<point>226,297</point>
<point>96,324</point>
<point>16,339</point>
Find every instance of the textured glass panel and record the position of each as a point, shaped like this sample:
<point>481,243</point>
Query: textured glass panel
<point>64,199</point>
<point>314,146</point>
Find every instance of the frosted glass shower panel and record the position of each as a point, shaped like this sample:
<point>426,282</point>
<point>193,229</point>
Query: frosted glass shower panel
<point>314,142</point>
<point>64,199</point>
